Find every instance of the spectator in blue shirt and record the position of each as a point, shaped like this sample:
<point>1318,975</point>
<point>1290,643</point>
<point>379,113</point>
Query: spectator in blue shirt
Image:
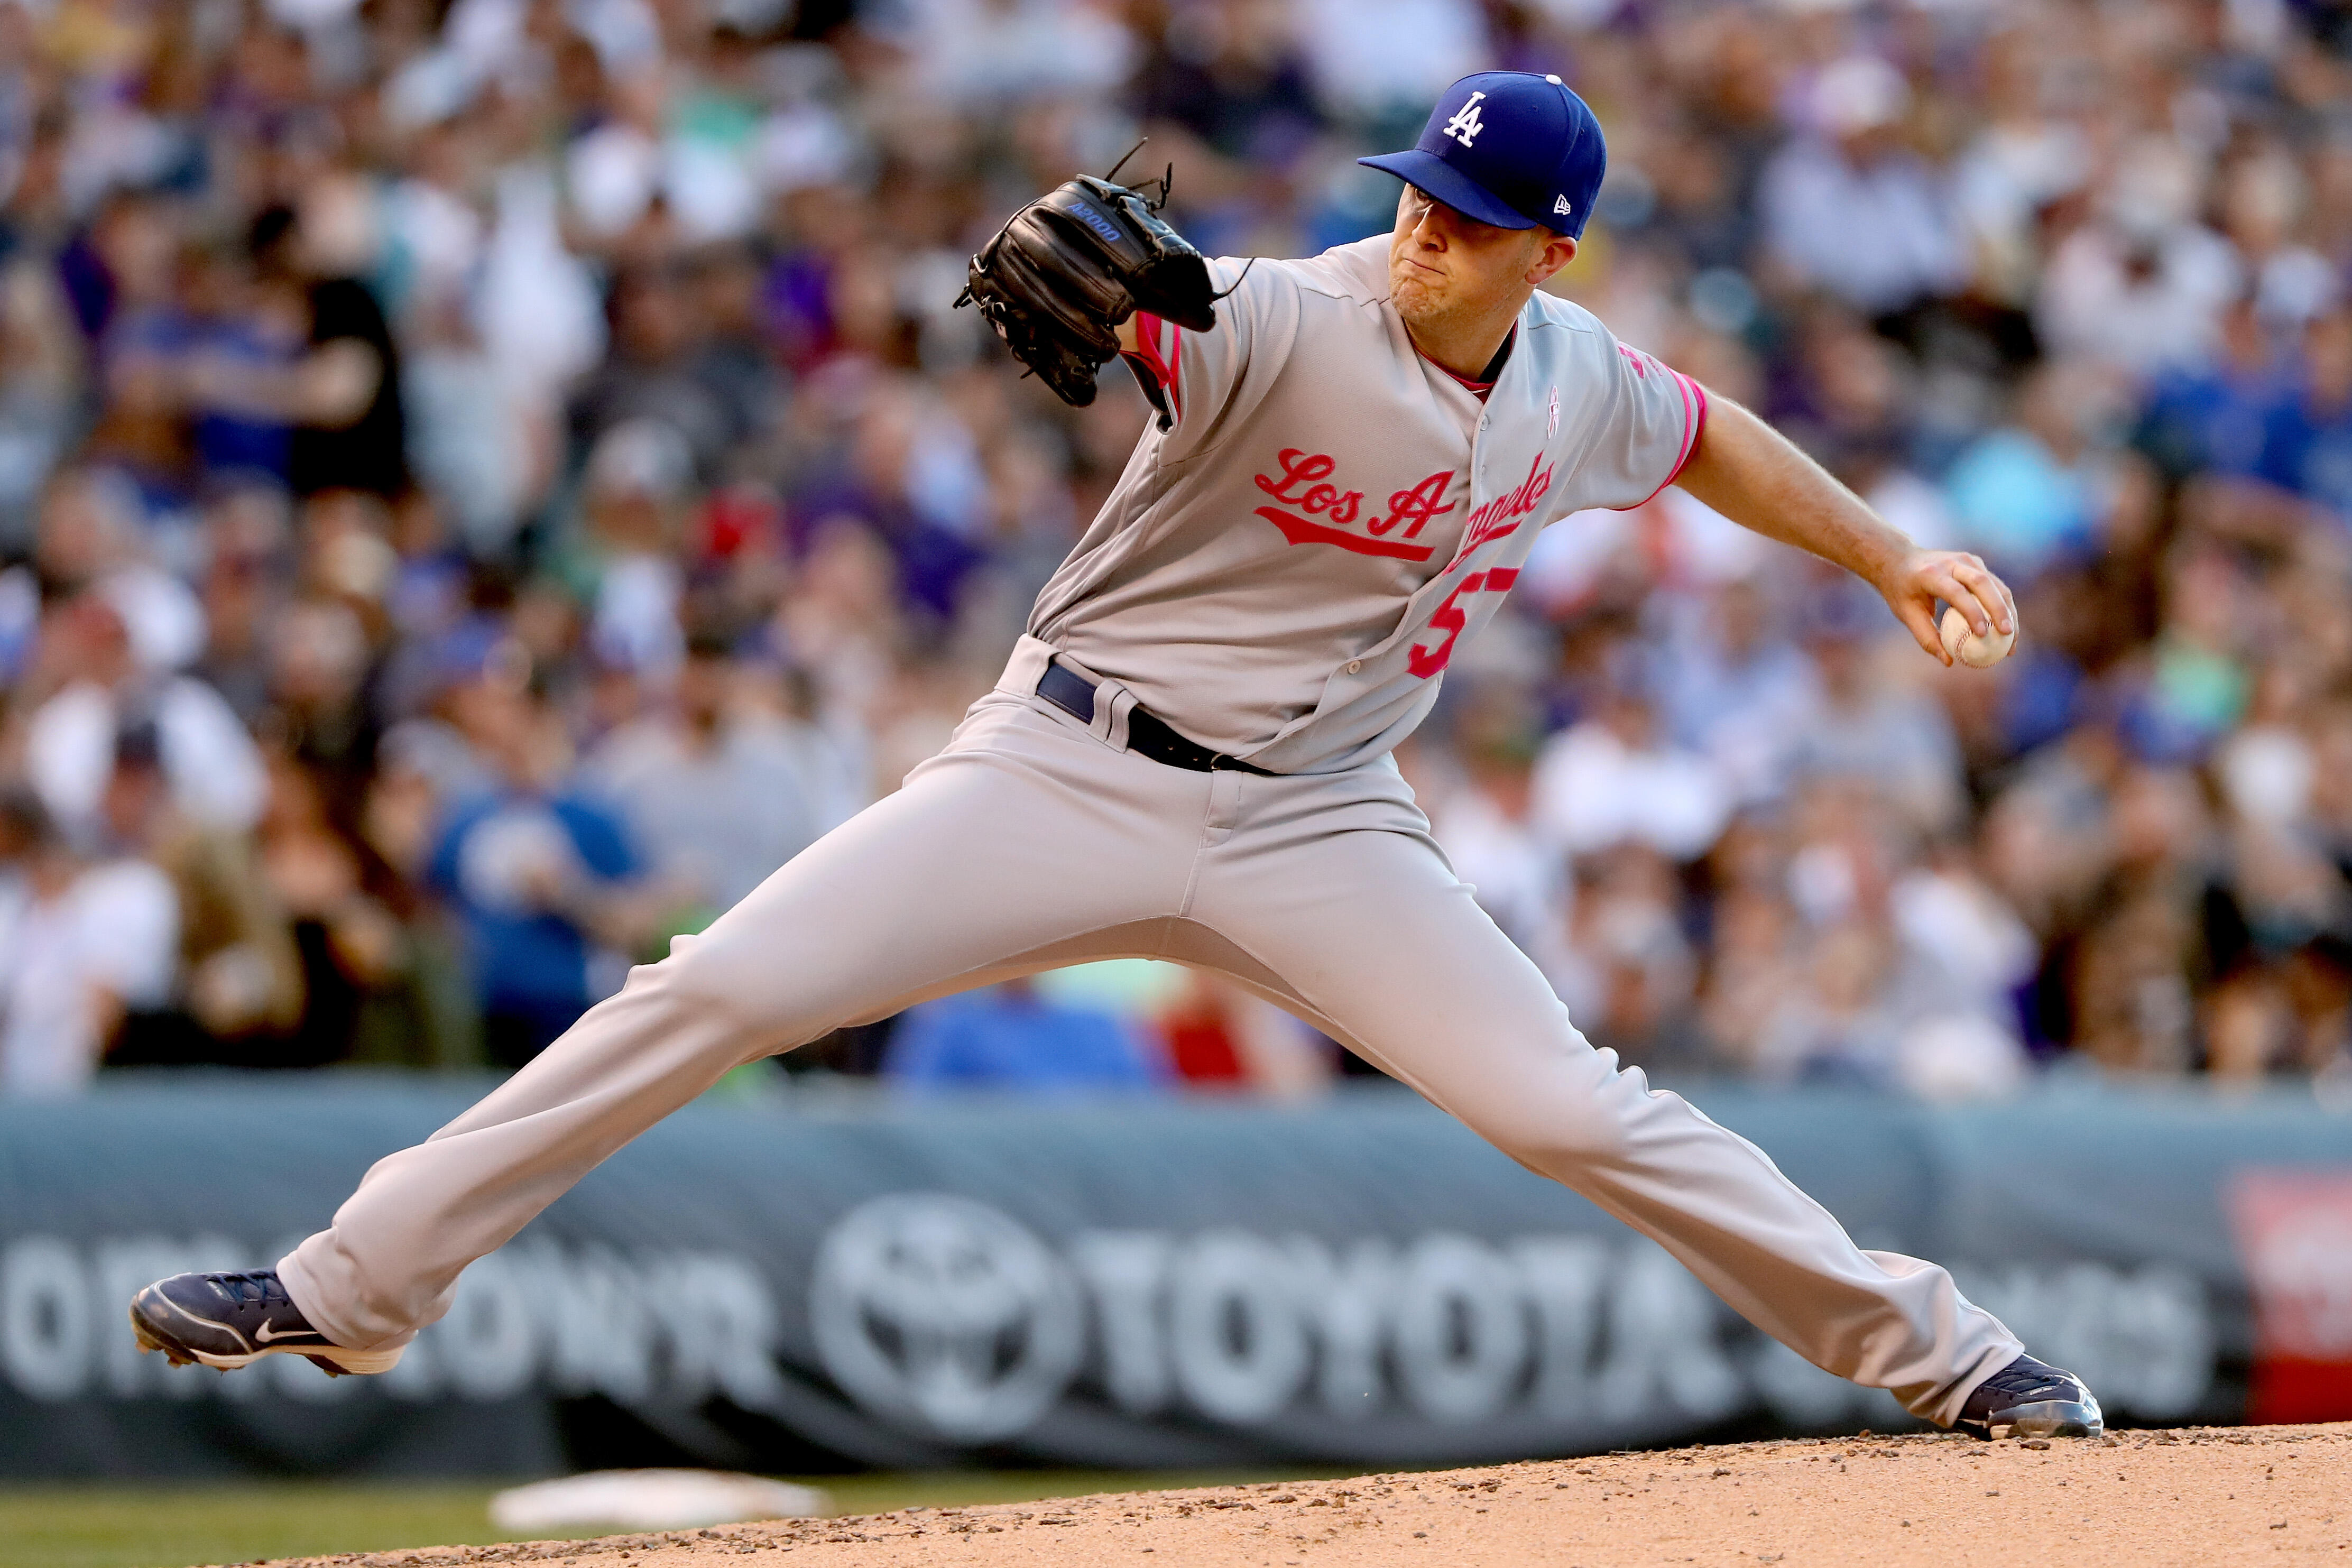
<point>2031,491</point>
<point>537,872</point>
<point>1010,1038</point>
<point>2307,446</point>
<point>2214,418</point>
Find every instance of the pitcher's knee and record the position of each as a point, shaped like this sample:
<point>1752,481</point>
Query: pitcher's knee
<point>708,982</point>
<point>1554,1132</point>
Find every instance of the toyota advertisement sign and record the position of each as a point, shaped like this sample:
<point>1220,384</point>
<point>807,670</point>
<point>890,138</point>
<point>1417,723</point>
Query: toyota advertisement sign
<point>1131,1283</point>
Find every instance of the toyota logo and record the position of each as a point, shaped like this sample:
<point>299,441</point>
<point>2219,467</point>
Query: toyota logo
<point>934,1307</point>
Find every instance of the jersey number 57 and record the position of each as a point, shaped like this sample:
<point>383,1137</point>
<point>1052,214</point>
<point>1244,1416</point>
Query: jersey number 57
<point>1452,618</point>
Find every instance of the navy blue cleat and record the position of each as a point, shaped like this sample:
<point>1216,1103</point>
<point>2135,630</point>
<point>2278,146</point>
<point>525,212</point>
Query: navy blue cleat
<point>228,1320</point>
<point>2028,1398</point>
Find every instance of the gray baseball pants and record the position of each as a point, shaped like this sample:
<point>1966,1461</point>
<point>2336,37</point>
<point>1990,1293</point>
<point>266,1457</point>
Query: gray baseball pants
<point>1034,841</point>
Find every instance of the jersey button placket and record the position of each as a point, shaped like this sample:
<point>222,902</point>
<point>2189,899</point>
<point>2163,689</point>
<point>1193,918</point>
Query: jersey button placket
<point>1355,667</point>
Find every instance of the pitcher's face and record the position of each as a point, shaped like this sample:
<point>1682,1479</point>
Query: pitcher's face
<point>1443,263</point>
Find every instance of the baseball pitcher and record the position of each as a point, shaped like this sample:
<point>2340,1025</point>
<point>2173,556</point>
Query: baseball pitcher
<point>1188,758</point>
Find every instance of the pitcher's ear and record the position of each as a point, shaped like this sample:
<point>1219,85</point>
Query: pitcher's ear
<point>1557,252</point>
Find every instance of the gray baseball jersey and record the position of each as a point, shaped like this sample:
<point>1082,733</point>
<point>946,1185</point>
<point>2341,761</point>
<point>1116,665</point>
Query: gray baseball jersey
<point>1284,570</point>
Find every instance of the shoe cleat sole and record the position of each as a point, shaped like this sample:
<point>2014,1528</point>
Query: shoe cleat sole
<point>148,1344</point>
<point>2050,1418</point>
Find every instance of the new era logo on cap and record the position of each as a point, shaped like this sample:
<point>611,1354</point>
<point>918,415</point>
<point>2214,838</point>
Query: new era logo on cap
<point>1509,148</point>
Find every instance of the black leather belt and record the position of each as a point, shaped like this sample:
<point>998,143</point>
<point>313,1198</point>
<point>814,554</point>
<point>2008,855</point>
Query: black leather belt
<point>1147,735</point>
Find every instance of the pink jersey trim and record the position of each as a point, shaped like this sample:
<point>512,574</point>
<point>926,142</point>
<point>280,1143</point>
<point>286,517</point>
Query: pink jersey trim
<point>1694,424</point>
<point>1478,389</point>
<point>1165,368</point>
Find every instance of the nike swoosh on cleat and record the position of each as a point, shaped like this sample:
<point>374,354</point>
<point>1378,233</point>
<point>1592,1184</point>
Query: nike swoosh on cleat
<point>263,1336</point>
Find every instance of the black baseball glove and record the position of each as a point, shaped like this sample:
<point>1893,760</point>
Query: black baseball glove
<point>1075,264</point>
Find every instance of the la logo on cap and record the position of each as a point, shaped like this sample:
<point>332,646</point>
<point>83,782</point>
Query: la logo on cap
<point>1466,123</point>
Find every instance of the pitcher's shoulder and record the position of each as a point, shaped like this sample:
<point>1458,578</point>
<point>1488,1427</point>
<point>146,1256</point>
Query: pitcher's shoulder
<point>1566,334</point>
<point>1549,310</point>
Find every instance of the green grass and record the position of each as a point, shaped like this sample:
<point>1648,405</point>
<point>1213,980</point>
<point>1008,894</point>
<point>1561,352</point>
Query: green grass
<point>159,1527</point>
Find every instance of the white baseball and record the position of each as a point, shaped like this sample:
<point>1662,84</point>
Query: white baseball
<point>1962,643</point>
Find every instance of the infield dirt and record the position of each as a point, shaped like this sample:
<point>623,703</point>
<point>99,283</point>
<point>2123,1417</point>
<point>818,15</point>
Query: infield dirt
<point>2279,1495</point>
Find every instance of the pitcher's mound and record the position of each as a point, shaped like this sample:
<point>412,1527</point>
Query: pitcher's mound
<point>2276,1495</point>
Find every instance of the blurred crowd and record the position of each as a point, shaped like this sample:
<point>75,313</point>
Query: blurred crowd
<point>482,482</point>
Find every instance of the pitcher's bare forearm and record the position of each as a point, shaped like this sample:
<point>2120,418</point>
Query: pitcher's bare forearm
<point>1753,475</point>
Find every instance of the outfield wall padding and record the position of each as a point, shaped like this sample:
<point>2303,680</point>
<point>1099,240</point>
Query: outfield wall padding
<point>848,1281</point>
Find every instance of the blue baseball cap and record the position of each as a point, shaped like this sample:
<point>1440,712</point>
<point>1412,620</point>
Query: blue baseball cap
<point>1509,148</point>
